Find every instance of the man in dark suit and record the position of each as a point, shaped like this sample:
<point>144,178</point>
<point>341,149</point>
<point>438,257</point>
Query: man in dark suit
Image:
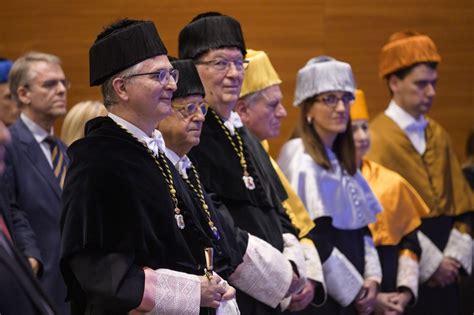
<point>36,164</point>
<point>20,292</point>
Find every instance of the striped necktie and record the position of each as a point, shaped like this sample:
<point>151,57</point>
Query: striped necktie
<point>57,158</point>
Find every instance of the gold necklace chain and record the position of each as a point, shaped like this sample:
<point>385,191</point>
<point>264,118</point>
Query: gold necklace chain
<point>166,172</point>
<point>200,194</point>
<point>239,150</point>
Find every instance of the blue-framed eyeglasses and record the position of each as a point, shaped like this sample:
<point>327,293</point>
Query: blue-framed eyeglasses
<point>163,75</point>
<point>190,109</point>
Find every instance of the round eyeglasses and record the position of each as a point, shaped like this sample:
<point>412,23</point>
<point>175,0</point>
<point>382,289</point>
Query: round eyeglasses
<point>190,109</point>
<point>163,75</point>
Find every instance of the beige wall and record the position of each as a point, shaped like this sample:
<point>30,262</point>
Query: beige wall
<point>290,31</point>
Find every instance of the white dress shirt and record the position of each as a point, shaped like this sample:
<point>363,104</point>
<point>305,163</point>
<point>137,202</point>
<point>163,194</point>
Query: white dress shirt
<point>182,164</point>
<point>233,122</point>
<point>40,135</point>
<point>413,128</point>
<point>155,143</point>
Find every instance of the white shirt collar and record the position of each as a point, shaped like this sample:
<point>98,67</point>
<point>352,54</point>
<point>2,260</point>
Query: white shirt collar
<point>154,143</point>
<point>233,122</point>
<point>413,128</point>
<point>402,118</point>
<point>180,163</point>
<point>38,132</point>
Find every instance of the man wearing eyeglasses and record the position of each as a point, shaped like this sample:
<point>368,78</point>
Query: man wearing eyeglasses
<point>232,164</point>
<point>36,165</point>
<point>261,109</point>
<point>132,242</point>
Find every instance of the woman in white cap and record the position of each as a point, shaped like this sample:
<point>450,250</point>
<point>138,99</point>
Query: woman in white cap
<point>321,167</point>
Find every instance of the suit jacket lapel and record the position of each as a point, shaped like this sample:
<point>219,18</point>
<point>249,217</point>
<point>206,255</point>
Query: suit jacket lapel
<point>36,156</point>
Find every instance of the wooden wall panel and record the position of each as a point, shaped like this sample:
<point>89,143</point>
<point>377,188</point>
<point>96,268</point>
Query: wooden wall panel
<point>290,31</point>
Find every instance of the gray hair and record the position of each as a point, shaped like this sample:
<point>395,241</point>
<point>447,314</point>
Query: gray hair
<point>250,99</point>
<point>20,74</point>
<point>107,88</point>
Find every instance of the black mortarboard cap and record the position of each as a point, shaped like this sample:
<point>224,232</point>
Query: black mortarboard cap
<point>123,48</point>
<point>210,31</point>
<point>189,82</point>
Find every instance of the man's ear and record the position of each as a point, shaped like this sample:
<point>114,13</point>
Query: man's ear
<point>394,83</point>
<point>24,95</point>
<point>241,108</point>
<point>120,89</point>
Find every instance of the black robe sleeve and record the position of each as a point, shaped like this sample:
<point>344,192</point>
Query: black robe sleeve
<point>112,281</point>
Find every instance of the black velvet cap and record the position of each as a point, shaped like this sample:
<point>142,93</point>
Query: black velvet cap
<point>189,82</point>
<point>117,49</point>
<point>210,31</point>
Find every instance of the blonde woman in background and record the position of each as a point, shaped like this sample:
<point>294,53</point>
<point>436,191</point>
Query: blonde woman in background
<point>76,118</point>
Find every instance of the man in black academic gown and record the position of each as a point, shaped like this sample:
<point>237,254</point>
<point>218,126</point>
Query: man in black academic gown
<point>232,163</point>
<point>130,243</point>
<point>262,271</point>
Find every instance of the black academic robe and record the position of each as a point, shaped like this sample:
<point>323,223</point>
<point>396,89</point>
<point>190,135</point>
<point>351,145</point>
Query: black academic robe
<point>438,229</point>
<point>257,211</point>
<point>348,242</point>
<point>389,254</point>
<point>117,218</point>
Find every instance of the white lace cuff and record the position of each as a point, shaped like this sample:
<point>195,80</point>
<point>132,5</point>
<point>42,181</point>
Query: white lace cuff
<point>372,267</point>
<point>343,281</point>
<point>293,252</point>
<point>314,269</point>
<point>265,274</point>
<point>431,257</point>
<point>459,247</point>
<point>177,293</point>
<point>228,307</point>
<point>407,274</point>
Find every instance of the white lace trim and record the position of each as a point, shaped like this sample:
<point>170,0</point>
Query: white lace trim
<point>292,251</point>
<point>343,281</point>
<point>431,257</point>
<point>177,293</point>
<point>408,274</point>
<point>314,269</point>
<point>265,274</point>
<point>459,247</point>
<point>228,307</point>
<point>372,267</point>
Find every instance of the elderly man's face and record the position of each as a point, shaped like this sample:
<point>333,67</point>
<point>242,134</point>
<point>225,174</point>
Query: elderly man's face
<point>149,98</point>
<point>46,94</point>
<point>182,129</point>
<point>222,86</point>
<point>264,114</point>
<point>9,111</point>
